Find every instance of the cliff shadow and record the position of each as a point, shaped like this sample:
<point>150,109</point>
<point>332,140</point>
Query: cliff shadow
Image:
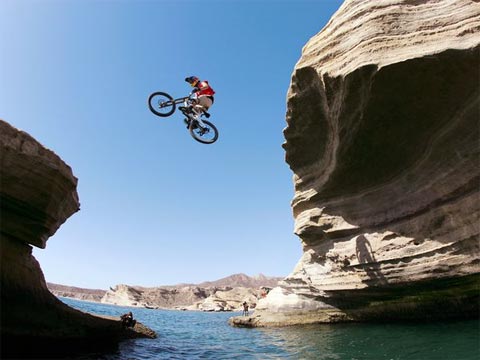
<point>366,259</point>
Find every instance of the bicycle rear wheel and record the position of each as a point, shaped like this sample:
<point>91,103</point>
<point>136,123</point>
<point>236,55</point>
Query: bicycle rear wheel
<point>206,135</point>
<point>161,104</point>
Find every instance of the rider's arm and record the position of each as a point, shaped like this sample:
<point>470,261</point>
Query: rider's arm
<point>194,93</point>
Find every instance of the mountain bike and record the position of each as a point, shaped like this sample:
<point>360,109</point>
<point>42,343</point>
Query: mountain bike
<point>163,105</point>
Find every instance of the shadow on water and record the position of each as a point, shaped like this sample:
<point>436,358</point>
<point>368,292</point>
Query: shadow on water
<point>443,340</point>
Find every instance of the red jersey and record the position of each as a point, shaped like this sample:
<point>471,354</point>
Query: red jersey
<point>204,89</point>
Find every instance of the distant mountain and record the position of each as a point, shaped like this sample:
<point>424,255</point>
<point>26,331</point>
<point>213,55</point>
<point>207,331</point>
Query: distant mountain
<point>76,293</point>
<point>242,280</point>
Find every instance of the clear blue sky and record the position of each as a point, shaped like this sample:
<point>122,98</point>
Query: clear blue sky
<point>157,207</point>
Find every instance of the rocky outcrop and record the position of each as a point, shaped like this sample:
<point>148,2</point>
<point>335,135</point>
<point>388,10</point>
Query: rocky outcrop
<point>123,295</point>
<point>229,299</point>
<point>383,139</point>
<point>193,297</point>
<point>37,194</point>
<point>184,298</point>
<point>38,189</point>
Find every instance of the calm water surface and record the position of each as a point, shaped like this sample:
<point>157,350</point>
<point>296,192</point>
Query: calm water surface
<point>199,335</point>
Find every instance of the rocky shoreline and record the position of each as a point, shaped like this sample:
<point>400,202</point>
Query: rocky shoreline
<point>225,294</point>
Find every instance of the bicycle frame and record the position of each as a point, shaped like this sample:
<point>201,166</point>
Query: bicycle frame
<point>192,116</point>
<point>176,101</point>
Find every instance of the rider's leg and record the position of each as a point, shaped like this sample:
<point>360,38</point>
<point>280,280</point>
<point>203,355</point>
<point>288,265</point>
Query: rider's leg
<point>192,104</point>
<point>199,106</point>
<point>203,104</point>
<point>198,110</point>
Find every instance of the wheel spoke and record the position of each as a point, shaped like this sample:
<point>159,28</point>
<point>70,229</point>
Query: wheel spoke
<point>161,104</point>
<point>164,105</point>
<point>206,133</point>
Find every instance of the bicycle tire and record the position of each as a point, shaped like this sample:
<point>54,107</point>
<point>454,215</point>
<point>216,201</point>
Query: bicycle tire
<point>161,101</point>
<point>198,135</point>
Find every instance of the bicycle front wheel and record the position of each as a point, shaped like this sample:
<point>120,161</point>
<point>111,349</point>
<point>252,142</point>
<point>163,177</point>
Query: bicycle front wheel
<point>161,104</point>
<point>206,135</point>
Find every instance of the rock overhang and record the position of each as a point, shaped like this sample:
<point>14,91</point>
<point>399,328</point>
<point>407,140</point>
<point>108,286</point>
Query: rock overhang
<point>38,190</point>
<point>382,137</point>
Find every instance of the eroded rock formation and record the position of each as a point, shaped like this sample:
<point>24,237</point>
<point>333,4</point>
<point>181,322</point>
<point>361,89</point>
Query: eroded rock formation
<point>225,294</point>
<point>229,299</point>
<point>383,139</point>
<point>37,194</point>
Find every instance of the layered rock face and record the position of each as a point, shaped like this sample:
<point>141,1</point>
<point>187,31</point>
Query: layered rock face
<point>38,189</point>
<point>383,139</point>
<point>37,194</point>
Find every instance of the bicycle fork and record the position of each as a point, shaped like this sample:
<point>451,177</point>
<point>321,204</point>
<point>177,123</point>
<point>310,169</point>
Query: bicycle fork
<point>199,120</point>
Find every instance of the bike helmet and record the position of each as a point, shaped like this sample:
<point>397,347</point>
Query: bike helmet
<point>192,80</point>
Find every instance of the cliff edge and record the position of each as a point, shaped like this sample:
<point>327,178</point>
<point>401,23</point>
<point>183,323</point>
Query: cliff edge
<point>37,194</point>
<point>383,139</point>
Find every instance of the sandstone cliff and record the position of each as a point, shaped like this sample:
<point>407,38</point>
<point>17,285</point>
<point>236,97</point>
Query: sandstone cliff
<point>383,139</point>
<point>37,194</point>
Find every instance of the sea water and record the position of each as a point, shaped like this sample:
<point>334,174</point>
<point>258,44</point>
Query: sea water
<point>207,335</point>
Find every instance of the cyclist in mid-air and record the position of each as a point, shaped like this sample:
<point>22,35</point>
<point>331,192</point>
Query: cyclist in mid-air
<point>203,95</point>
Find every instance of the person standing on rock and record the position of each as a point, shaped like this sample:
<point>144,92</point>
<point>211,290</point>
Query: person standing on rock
<point>245,308</point>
